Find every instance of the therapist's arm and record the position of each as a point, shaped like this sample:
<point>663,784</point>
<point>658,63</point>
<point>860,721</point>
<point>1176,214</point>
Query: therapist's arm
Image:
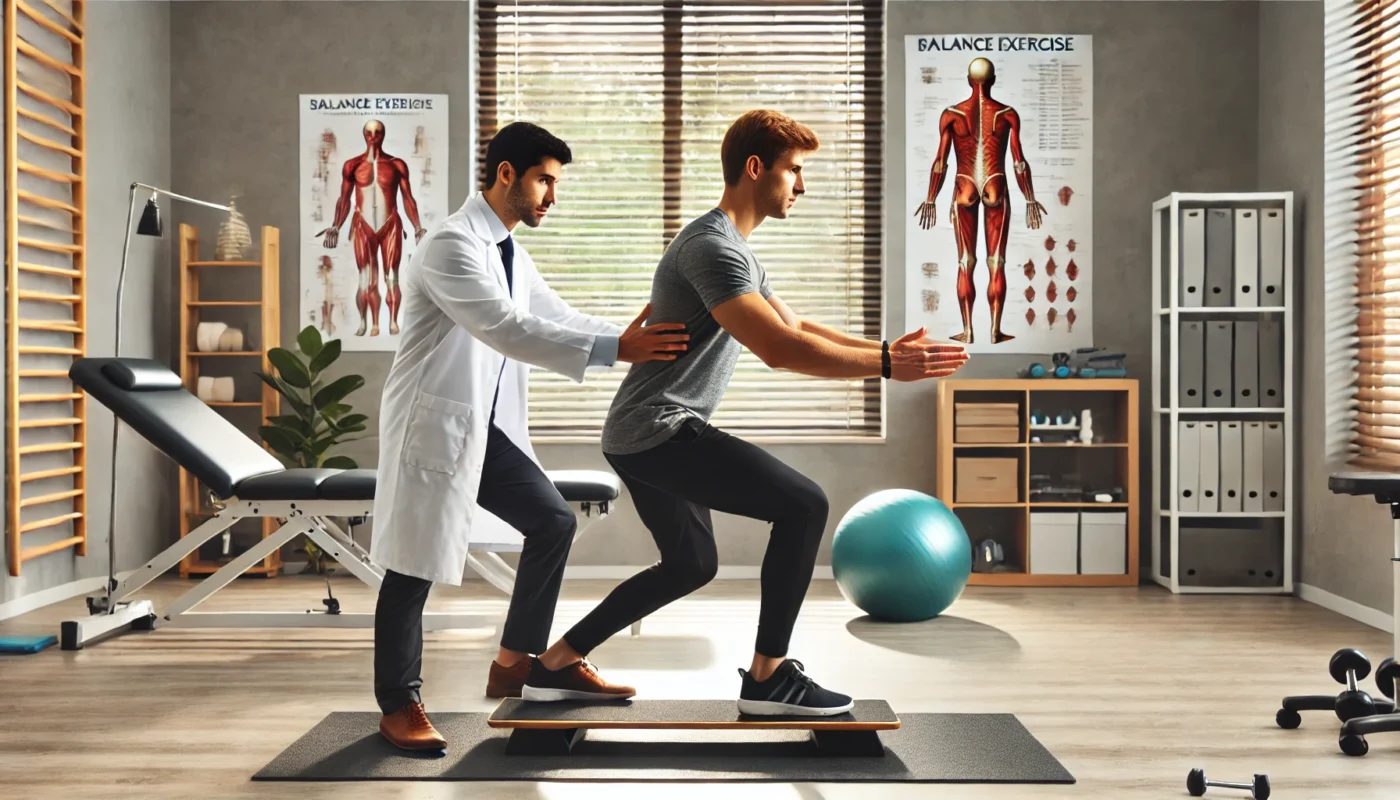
<point>547,303</point>
<point>456,278</point>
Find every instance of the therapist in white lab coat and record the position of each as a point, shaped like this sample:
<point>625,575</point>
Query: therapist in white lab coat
<point>452,427</point>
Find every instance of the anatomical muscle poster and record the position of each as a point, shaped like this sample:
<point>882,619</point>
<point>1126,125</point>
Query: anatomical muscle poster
<point>998,210</point>
<point>373,180</point>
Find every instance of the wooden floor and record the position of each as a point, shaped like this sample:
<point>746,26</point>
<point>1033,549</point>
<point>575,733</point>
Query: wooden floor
<point>1129,688</point>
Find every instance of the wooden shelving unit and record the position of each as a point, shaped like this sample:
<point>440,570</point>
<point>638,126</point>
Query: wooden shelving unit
<point>193,507</point>
<point>1113,453</point>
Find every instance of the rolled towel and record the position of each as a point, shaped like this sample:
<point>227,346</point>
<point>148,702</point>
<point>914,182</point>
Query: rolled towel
<point>206,336</point>
<point>223,390</point>
<point>231,340</point>
<point>205,390</point>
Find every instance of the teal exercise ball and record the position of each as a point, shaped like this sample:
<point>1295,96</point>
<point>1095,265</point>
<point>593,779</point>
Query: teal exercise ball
<point>901,556</point>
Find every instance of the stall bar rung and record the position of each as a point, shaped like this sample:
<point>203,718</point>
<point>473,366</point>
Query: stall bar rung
<point>48,398</point>
<point>48,297</point>
<point>49,144</point>
<point>44,325</point>
<point>47,202</point>
<point>52,123</point>
<point>40,524</point>
<point>60,177</point>
<point>57,472</point>
<point>62,272</point>
<point>68,18</point>
<point>51,422</point>
<point>43,96</point>
<point>46,373</point>
<point>49,498</point>
<point>43,19</point>
<point>51,447</point>
<point>47,60</point>
<point>43,550</point>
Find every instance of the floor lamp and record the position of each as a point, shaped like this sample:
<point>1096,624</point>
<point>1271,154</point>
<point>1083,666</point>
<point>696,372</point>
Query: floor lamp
<point>150,225</point>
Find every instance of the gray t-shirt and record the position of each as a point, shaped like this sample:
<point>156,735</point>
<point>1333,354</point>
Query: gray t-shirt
<point>706,265</point>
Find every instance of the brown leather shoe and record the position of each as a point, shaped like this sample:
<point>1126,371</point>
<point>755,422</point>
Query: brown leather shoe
<point>409,729</point>
<point>578,681</point>
<point>507,681</point>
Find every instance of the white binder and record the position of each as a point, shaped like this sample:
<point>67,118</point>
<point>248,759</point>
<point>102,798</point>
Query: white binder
<point>1273,466</point>
<point>1253,466</point>
<point>1271,288</point>
<point>1231,465</point>
<point>1193,256</point>
<point>1209,472</point>
<point>1188,472</point>
<point>1246,257</point>
<point>1192,342</point>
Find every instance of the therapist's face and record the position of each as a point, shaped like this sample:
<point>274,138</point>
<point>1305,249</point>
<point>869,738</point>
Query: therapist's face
<point>530,195</point>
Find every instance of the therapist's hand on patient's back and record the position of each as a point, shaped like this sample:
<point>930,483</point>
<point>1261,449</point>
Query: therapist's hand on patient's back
<point>665,341</point>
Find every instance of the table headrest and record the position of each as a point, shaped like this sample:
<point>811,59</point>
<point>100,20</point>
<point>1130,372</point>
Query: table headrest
<point>141,375</point>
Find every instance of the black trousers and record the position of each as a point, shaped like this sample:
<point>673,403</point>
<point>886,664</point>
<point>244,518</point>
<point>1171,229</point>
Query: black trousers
<point>515,489</point>
<point>674,486</point>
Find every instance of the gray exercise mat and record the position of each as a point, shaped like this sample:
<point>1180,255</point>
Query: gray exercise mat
<point>927,748</point>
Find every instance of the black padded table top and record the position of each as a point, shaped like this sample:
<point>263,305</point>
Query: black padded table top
<point>1384,485</point>
<point>576,486</point>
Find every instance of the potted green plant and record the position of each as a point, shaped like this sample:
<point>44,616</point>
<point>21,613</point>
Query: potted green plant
<point>319,419</point>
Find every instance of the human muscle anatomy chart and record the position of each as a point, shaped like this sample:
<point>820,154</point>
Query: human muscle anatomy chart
<point>377,208</point>
<point>988,118</point>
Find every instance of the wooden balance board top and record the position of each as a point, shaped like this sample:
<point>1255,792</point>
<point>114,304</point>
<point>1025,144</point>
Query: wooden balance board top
<point>867,715</point>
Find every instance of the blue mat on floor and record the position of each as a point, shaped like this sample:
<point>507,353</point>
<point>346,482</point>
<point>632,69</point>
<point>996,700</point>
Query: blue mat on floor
<point>25,644</point>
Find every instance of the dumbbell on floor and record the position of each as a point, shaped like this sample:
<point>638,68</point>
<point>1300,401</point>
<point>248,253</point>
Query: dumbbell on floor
<point>1350,666</point>
<point>1197,784</point>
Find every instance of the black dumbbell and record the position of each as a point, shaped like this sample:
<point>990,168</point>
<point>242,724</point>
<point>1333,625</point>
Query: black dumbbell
<point>1386,675</point>
<point>1197,784</point>
<point>1349,666</point>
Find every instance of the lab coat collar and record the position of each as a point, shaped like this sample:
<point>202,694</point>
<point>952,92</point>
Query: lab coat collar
<point>477,203</point>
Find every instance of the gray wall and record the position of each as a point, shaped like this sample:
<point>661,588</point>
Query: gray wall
<point>1346,542</point>
<point>128,139</point>
<point>1176,87</point>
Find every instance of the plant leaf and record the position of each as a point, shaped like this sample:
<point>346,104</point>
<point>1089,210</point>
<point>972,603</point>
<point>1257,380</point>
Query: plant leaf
<point>340,462</point>
<point>292,423</point>
<point>309,340</point>
<point>337,390</point>
<point>326,357</point>
<point>349,421</point>
<point>289,367</point>
<point>288,393</point>
<point>280,440</point>
<point>334,410</point>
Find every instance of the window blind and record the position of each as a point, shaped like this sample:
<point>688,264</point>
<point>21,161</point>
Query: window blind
<point>1362,223</point>
<point>643,92</point>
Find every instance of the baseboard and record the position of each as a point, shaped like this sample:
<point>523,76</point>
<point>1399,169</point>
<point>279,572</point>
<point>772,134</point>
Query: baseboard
<point>1347,608</point>
<point>46,597</point>
<point>729,573</point>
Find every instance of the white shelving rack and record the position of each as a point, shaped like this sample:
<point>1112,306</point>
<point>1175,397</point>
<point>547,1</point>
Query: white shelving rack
<point>1167,518</point>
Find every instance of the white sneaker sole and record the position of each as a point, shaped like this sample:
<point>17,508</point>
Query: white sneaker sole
<point>535,695</point>
<point>768,708</point>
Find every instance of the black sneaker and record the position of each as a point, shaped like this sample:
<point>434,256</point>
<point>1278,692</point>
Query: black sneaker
<point>789,691</point>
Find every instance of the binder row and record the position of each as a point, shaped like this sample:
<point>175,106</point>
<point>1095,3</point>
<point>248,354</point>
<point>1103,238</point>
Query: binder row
<point>1230,466</point>
<point>1232,257</point>
<point>1231,364</point>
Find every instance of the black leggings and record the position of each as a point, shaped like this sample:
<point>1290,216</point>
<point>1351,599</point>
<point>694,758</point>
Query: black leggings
<point>674,486</point>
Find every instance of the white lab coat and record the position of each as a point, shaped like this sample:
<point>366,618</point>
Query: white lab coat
<point>458,325</point>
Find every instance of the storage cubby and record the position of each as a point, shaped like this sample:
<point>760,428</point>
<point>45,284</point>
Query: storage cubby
<point>975,477</point>
<point>1222,371</point>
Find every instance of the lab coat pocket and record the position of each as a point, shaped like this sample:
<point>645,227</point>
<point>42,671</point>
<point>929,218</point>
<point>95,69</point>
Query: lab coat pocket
<point>437,433</point>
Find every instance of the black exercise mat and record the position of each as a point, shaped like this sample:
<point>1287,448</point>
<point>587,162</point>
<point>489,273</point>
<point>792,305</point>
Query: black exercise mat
<point>927,748</point>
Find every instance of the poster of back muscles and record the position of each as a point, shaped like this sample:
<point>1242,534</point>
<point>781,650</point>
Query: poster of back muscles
<point>373,180</point>
<point>998,209</point>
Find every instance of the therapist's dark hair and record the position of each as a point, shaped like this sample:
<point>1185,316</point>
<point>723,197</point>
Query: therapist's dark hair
<point>523,145</point>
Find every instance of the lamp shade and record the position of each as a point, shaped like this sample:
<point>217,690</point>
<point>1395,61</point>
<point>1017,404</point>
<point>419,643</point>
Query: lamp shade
<point>150,220</point>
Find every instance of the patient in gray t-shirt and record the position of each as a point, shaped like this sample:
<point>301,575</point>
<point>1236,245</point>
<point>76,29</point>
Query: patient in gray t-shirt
<point>707,264</point>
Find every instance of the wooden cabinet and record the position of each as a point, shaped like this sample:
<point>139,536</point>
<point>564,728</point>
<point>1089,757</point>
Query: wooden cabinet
<point>1018,466</point>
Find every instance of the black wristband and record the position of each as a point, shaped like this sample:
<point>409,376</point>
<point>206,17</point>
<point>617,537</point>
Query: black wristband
<point>885,360</point>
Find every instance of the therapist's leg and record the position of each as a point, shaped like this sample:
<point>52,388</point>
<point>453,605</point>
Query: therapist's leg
<point>398,662</point>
